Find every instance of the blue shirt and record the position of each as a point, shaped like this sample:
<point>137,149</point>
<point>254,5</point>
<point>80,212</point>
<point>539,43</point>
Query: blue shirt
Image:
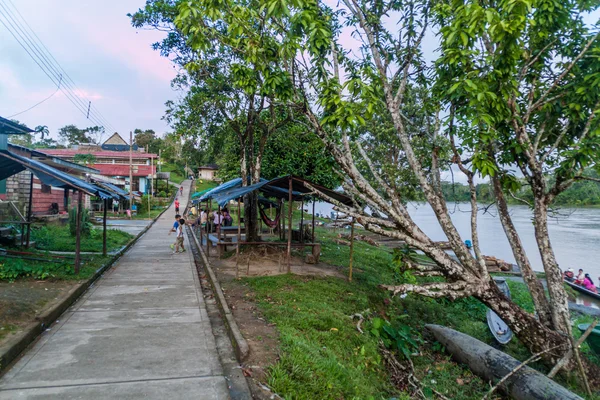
<point>176,225</point>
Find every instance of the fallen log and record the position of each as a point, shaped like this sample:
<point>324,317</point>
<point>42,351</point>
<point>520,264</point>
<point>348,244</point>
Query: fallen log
<point>524,384</point>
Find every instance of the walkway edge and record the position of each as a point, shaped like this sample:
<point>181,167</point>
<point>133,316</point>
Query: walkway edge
<point>11,350</point>
<point>240,345</point>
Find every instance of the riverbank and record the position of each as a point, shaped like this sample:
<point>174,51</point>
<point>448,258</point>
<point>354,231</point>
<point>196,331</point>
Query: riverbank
<point>305,344</point>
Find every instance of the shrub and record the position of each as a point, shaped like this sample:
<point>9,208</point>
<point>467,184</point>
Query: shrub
<point>86,225</point>
<point>15,268</point>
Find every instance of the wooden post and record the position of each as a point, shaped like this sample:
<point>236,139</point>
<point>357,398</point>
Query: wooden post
<point>313,221</point>
<point>78,232</point>
<point>302,221</point>
<point>239,238</point>
<point>104,228</point>
<point>29,211</point>
<point>351,250</point>
<point>130,175</point>
<point>289,245</point>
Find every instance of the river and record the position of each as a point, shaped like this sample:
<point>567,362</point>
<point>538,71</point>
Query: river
<point>574,234</point>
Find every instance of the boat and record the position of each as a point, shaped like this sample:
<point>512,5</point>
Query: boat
<point>498,327</point>
<point>584,290</point>
<point>593,339</point>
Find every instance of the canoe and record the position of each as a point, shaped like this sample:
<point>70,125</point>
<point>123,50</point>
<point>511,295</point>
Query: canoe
<point>499,329</point>
<point>584,290</point>
<point>593,339</point>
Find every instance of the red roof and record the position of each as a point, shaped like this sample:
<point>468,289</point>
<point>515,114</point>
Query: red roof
<point>103,153</point>
<point>123,169</point>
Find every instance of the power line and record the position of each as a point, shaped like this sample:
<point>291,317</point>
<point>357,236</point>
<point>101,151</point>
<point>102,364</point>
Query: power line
<point>37,104</point>
<point>22,33</point>
<point>69,88</point>
<point>69,80</point>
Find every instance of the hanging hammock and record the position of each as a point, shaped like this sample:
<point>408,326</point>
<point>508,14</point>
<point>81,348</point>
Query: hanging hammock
<point>269,222</point>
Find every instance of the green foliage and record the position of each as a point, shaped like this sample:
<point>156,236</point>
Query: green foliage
<point>84,158</point>
<point>72,135</point>
<point>11,269</point>
<point>59,238</point>
<point>86,225</point>
<point>398,337</point>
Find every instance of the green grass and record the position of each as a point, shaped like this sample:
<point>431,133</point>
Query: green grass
<point>322,354</point>
<point>58,238</point>
<point>176,172</point>
<point>7,329</point>
<point>20,268</point>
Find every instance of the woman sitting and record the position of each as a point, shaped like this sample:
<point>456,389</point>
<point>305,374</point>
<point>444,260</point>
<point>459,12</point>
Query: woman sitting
<point>588,283</point>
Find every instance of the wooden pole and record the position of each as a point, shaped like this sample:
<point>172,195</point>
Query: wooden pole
<point>351,250</point>
<point>239,238</point>
<point>289,246</point>
<point>29,210</point>
<point>313,221</point>
<point>78,233</point>
<point>302,221</point>
<point>104,228</point>
<point>130,175</point>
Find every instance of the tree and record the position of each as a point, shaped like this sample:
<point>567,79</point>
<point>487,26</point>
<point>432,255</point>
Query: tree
<point>146,139</point>
<point>71,135</point>
<point>489,57</point>
<point>42,130</point>
<point>225,93</point>
<point>85,159</point>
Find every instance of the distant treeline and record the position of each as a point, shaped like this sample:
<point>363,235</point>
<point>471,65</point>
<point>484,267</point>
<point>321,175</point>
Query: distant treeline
<point>582,193</point>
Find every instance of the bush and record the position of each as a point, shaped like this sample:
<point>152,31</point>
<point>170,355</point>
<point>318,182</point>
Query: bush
<point>162,194</point>
<point>16,268</point>
<point>86,225</point>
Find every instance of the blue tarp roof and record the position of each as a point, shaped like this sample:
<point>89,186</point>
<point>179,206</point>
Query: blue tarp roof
<point>112,188</point>
<point>229,184</point>
<point>277,188</point>
<point>11,164</point>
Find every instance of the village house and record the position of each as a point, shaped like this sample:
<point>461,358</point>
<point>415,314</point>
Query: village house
<point>111,159</point>
<point>208,172</point>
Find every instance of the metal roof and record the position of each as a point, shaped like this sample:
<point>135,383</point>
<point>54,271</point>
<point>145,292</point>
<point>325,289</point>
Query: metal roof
<point>11,163</point>
<point>7,127</point>
<point>56,160</point>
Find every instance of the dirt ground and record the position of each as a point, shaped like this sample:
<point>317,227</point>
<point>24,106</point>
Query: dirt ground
<point>22,301</point>
<point>262,337</point>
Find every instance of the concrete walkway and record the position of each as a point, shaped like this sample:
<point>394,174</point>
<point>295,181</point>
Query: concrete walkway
<point>141,332</point>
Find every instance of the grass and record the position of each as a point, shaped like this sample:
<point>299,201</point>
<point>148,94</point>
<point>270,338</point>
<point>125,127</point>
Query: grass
<point>176,172</point>
<point>322,354</point>
<point>20,268</point>
<point>7,329</point>
<point>58,238</point>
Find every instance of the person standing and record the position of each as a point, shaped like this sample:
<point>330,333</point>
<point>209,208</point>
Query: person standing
<point>217,222</point>
<point>115,204</point>
<point>181,190</point>
<point>176,206</point>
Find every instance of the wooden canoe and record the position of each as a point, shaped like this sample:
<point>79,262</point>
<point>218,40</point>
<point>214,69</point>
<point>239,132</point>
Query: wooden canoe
<point>593,339</point>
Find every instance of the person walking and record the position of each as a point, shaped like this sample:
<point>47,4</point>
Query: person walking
<point>181,190</point>
<point>176,225</point>
<point>179,239</point>
<point>176,206</point>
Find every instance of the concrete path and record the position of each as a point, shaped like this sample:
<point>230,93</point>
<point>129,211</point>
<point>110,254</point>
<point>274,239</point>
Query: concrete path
<point>141,332</point>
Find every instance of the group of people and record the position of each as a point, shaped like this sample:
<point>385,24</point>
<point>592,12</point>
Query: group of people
<point>582,279</point>
<point>219,218</point>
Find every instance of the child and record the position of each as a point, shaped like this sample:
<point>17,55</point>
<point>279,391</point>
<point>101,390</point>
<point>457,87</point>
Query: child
<point>179,240</point>
<point>176,226</point>
<point>176,206</point>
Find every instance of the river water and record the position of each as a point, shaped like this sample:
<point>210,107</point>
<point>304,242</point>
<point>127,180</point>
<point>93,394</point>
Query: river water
<point>574,234</point>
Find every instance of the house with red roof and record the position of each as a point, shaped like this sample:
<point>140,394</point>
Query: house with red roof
<point>111,159</point>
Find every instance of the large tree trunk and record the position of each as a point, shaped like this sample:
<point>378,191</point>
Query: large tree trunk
<point>558,296</point>
<point>251,216</point>
<point>535,286</point>
<point>531,332</point>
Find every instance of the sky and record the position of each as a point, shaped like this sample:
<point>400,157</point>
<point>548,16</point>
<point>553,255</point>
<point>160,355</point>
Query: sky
<point>111,63</point>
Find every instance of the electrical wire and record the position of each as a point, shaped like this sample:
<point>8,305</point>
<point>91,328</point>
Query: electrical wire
<point>37,104</point>
<point>50,65</point>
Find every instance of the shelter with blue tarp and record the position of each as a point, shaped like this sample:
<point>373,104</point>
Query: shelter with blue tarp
<point>11,163</point>
<point>284,189</point>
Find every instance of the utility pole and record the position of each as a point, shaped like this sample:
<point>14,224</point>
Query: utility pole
<point>130,175</point>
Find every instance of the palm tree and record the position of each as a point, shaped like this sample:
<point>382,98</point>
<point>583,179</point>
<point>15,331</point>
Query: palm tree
<point>43,129</point>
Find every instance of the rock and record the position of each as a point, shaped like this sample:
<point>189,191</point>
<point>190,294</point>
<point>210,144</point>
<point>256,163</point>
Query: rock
<point>493,365</point>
